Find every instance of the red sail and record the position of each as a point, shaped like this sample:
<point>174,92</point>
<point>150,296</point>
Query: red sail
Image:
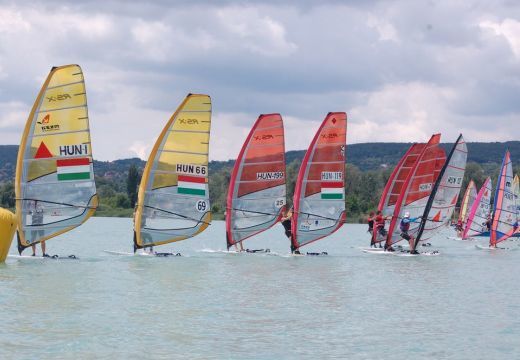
<point>319,195</point>
<point>416,188</point>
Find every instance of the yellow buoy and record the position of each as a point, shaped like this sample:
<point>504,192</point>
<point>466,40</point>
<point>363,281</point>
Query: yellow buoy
<point>7,229</point>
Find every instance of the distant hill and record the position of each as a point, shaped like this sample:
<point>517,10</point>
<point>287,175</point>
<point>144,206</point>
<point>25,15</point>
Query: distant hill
<point>366,156</point>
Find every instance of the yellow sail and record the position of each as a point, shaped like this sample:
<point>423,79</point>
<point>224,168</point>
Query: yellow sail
<point>54,185</point>
<point>173,200</point>
<point>467,201</point>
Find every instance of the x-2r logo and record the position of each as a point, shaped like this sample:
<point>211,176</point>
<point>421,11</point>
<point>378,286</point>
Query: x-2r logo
<point>263,137</point>
<point>58,97</point>
<point>189,121</point>
<point>329,136</point>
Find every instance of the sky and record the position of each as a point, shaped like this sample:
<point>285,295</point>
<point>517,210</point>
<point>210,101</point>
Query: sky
<point>402,70</point>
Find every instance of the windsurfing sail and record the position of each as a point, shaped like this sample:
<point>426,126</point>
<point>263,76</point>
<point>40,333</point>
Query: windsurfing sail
<point>173,199</point>
<point>319,194</point>
<point>54,184</point>
<point>504,222</point>
<point>416,188</point>
<point>445,193</point>
<point>479,211</point>
<point>257,193</point>
<point>467,201</point>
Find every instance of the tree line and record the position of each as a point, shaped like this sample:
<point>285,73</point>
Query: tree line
<point>118,192</point>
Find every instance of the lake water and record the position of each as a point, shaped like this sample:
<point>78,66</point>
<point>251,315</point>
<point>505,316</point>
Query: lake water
<point>463,304</point>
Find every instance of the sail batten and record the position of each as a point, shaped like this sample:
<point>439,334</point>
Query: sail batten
<point>257,192</point>
<point>319,195</point>
<point>54,185</point>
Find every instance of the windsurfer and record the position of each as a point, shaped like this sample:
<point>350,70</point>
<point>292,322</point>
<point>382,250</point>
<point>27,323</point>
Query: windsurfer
<point>286,222</point>
<point>380,226</point>
<point>488,223</point>
<point>459,227</point>
<point>404,226</point>
<point>370,222</point>
<point>37,219</point>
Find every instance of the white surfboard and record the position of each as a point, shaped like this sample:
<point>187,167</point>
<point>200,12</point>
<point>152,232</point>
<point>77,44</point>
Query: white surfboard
<point>119,253</point>
<point>486,247</point>
<point>40,258</point>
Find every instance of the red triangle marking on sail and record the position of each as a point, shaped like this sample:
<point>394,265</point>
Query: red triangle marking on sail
<point>454,201</point>
<point>437,216</point>
<point>42,152</point>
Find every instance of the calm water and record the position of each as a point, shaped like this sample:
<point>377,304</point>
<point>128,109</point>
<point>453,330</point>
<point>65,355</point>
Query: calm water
<point>207,304</point>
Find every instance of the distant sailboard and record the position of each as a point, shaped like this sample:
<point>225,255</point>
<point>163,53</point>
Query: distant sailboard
<point>479,212</point>
<point>468,199</point>
<point>504,221</point>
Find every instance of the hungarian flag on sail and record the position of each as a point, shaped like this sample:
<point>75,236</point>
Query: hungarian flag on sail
<point>191,185</point>
<point>73,169</point>
<point>332,190</point>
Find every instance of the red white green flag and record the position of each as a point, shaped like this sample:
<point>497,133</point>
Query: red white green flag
<point>73,169</point>
<point>191,185</point>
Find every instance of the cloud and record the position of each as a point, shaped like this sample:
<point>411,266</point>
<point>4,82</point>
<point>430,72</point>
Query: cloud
<point>401,70</point>
<point>260,34</point>
<point>509,29</point>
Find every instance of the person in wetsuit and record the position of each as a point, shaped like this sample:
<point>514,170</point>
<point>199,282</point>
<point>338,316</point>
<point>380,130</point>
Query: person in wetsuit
<point>37,219</point>
<point>286,222</point>
<point>459,227</point>
<point>488,223</point>
<point>404,226</point>
<point>370,222</point>
<point>380,223</point>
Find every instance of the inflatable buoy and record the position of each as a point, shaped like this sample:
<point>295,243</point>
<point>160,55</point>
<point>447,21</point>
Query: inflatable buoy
<point>7,229</point>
